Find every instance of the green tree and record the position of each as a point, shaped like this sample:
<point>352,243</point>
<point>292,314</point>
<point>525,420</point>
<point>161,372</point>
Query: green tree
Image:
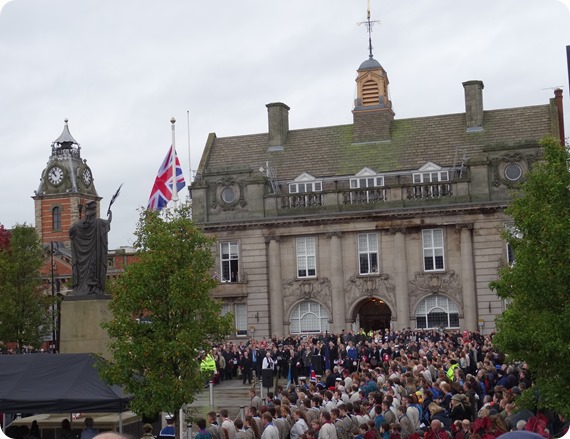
<point>24,308</point>
<point>163,314</point>
<point>535,327</point>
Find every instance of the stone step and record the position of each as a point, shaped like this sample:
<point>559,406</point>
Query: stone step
<point>230,395</point>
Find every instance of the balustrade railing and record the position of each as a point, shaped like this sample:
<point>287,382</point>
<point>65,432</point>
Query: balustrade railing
<point>429,190</point>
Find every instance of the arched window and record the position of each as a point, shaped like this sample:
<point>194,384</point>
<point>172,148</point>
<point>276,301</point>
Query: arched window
<point>56,218</point>
<point>309,317</point>
<point>436,310</point>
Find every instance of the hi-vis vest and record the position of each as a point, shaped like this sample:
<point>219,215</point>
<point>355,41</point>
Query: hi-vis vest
<point>208,364</point>
<point>450,371</point>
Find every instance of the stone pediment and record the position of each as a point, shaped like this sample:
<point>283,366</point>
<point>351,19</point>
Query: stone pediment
<point>318,290</point>
<point>381,286</point>
<point>447,283</point>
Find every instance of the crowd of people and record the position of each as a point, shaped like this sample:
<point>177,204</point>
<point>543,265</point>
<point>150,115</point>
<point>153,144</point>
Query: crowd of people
<point>378,385</point>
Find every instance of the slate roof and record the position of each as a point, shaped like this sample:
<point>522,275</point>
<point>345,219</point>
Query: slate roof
<point>329,151</point>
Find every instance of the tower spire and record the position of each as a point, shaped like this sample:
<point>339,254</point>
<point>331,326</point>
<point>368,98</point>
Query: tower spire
<point>369,25</point>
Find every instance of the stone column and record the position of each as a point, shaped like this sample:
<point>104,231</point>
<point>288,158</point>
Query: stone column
<point>275,288</point>
<point>337,283</point>
<point>468,277</point>
<point>401,278</point>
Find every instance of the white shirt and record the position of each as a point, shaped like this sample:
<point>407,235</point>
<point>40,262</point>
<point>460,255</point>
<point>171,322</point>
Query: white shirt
<point>270,432</point>
<point>228,425</point>
<point>299,428</point>
<point>268,363</point>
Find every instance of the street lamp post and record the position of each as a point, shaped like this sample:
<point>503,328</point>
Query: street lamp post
<point>54,306</point>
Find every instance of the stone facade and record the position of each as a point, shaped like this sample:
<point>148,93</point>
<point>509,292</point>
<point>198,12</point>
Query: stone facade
<point>384,223</point>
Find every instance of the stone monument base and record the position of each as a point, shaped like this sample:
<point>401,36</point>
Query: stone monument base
<point>80,330</point>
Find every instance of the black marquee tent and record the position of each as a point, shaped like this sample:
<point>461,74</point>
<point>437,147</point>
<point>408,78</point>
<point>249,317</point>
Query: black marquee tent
<point>56,383</point>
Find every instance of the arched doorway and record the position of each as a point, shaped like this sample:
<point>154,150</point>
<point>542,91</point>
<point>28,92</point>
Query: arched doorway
<point>374,314</point>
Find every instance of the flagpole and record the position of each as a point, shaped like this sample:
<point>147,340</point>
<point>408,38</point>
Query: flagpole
<point>189,155</point>
<point>174,177</point>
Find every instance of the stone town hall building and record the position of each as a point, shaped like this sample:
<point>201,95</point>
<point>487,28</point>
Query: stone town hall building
<point>382,223</point>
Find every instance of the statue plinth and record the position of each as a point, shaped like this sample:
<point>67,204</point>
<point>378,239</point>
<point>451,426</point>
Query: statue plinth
<point>81,318</point>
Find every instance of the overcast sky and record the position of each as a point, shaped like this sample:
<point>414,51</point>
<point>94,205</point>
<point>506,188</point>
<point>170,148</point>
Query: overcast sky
<point>120,69</point>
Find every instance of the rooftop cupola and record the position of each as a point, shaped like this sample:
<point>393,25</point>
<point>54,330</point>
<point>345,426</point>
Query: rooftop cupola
<point>65,142</point>
<point>372,112</point>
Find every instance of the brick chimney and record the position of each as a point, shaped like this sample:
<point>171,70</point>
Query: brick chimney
<point>474,105</point>
<point>559,107</point>
<point>278,118</point>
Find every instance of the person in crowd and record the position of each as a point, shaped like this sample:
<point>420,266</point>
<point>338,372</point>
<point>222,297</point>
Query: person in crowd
<point>88,432</point>
<point>213,427</point>
<point>66,432</point>
<point>147,432</point>
<point>227,426</point>
<point>300,425</point>
<point>328,430</point>
<point>270,431</point>
<point>35,432</point>
<point>169,431</point>
<point>255,400</point>
<point>251,426</point>
<point>202,432</point>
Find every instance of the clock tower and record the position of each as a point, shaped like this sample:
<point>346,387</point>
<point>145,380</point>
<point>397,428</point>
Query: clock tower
<point>66,186</point>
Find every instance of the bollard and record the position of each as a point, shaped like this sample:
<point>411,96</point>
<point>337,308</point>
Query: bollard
<point>241,412</point>
<point>211,395</point>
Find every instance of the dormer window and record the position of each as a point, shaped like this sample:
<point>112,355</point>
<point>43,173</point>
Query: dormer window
<point>430,173</point>
<point>366,178</point>
<point>305,183</point>
<point>359,183</point>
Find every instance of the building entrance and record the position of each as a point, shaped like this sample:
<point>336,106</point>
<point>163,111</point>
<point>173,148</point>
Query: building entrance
<point>373,315</point>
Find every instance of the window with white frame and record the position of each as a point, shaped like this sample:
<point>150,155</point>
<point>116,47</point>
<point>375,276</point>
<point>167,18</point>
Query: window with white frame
<point>437,311</point>
<point>309,317</point>
<point>305,183</point>
<point>368,259</point>
<point>366,182</point>
<point>516,234</point>
<point>306,257</point>
<point>309,186</point>
<point>239,311</point>
<point>432,241</point>
<point>431,177</point>
<point>229,259</point>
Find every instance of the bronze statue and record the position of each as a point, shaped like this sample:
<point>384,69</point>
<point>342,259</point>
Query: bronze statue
<point>89,246</point>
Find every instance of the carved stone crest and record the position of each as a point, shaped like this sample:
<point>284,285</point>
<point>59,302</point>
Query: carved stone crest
<point>307,289</point>
<point>447,283</point>
<point>511,168</point>
<point>381,286</point>
<point>229,193</point>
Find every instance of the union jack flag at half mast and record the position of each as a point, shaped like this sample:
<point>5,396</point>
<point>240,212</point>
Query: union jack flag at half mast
<point>162,190</point>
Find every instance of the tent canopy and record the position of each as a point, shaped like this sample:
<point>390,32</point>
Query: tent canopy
<point>56,383</point>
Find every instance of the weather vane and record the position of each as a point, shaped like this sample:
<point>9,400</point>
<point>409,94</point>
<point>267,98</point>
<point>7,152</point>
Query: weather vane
<point>369,24</point>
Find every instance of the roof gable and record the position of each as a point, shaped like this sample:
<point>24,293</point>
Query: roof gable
<point>304,177</point>
<point>366,172</point>
<point>430,166</point>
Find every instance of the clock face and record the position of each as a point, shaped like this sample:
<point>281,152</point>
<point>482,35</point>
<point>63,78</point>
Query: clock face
<point>87,177</point>
<point>55,175</point>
